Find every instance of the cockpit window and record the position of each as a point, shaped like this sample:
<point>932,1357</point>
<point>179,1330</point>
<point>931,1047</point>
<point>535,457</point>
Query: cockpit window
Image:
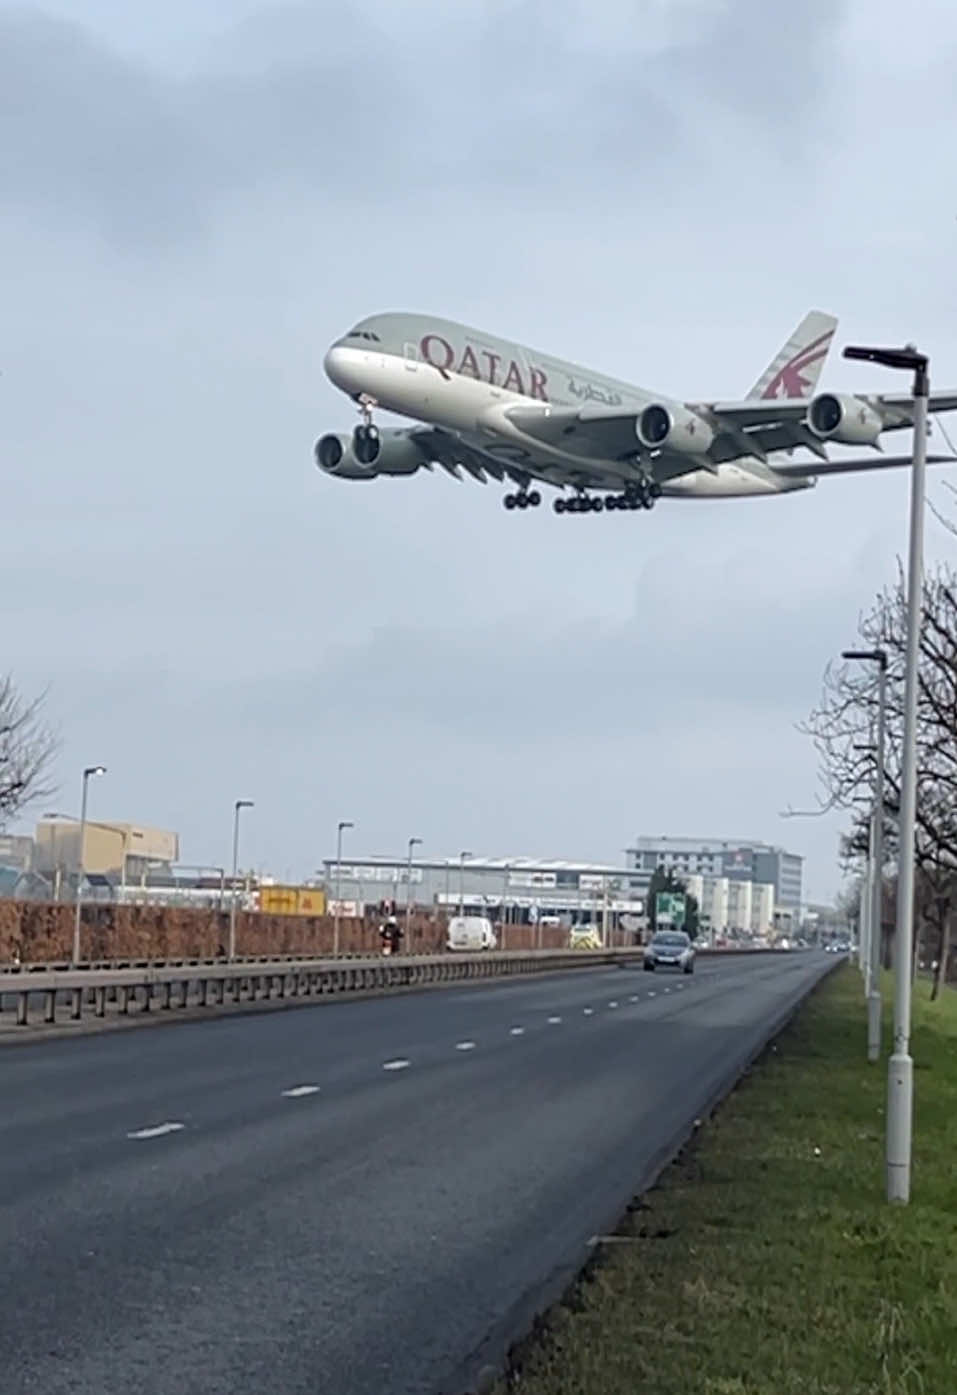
<point>363,334</point>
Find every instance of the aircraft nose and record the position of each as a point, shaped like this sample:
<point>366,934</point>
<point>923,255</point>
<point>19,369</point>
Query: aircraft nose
<point>336,363</point>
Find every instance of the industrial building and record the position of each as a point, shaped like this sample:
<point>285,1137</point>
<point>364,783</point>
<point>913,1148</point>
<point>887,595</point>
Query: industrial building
<point>518,890</point>
<point>117,853</point>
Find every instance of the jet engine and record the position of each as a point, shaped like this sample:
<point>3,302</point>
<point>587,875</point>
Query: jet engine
<point>847,421</point>
<point>673,427</point>
<point>392,452</point>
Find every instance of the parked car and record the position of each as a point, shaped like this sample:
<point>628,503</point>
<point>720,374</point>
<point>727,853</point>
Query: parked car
<point>671,949</point>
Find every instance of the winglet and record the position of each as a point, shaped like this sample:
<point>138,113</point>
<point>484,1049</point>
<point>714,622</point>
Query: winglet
<point>796,368</point>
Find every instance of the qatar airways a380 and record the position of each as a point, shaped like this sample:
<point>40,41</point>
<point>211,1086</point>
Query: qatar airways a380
<point>493,409</point>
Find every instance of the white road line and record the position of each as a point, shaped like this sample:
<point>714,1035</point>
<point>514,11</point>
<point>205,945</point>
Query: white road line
<point>588,1011</point>
<point>298,1091</point>
<point>667,990</point>
<point>554,1021</point>
<point>612,1005</point>
<point>651,994</point>
<point>465,1046</point>
<point>633,998</point>
<point>518,1031</point>
<point>157,1131</point>
<point>400,1064</point>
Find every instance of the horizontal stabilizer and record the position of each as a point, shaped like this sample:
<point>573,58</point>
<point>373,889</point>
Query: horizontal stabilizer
<point>812,469</point>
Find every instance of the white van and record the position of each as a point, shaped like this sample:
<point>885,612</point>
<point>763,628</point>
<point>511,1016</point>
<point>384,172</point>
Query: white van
<point>471,932</point>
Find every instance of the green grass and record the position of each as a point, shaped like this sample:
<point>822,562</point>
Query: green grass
<point>762,1266</point>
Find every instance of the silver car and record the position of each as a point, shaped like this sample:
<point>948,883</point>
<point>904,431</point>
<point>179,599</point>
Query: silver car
<point>671,949</point>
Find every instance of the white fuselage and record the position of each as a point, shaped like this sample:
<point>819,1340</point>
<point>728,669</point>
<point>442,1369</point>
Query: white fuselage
<point>436,391</point>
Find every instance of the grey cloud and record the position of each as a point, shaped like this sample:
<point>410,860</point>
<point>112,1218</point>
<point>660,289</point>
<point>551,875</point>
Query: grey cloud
<point>332,105</point>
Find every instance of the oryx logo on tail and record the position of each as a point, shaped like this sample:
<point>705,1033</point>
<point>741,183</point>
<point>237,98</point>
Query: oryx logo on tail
<point>796,369</point>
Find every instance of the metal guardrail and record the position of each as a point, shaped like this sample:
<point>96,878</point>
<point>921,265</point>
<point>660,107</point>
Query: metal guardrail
<point>217,981</point>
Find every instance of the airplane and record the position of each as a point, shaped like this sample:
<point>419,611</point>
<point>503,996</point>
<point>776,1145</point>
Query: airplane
<point>495,409</point>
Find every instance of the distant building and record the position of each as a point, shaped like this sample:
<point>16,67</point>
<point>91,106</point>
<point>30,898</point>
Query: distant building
<point>737,861</point>
<point>522,889</point>
<point>16,850</point>
<point>762,909</point>
<point>714,905</point>
<point>122,852</point>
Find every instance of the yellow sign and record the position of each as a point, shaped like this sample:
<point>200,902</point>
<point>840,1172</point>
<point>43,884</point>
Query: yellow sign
<point>292,900</point>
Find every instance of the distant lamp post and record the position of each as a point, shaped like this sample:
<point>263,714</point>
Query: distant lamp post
<point>505,877</point>
<point>341,827</point>
<point>413,843</point>
<point>874,1006</point>
<point>237,807</point>
<point>88,773</point>
<point>462,857</point>
<point>900,1075</point>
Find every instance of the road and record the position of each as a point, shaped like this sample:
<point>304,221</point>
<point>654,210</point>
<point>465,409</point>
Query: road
<point>356,1198</point>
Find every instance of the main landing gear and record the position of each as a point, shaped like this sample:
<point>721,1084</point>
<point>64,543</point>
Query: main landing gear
<point>523,500</point>
<point>641,496</point>
<point>366,443</point>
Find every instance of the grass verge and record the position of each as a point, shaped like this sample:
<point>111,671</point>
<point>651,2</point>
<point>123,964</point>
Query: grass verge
<point>766,1260</point>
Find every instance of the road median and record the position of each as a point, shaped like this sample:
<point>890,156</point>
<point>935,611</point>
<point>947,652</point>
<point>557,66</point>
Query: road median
<point>766,1260</point>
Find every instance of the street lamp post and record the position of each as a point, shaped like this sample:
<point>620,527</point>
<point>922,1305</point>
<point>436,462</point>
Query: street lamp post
<point>462,857</point>
<point>505,872</point>
<point>240,804</point>
<point>874,1006</point>
<point>413,843</point>
<point>342,825</point>
<point>90,771</point>
<point>900,1074</point>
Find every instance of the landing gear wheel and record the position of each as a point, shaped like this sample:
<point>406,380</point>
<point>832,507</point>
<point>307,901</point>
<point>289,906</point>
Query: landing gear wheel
<point>560,505</point>
<point>534,499</point>
<point>597,504</point>
<point>510,501</point>
<point>366,444</point>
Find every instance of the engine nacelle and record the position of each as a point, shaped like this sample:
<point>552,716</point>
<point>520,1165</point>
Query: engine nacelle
<point>395,455</point>
<point>673,427</point>
<point>847,421</point>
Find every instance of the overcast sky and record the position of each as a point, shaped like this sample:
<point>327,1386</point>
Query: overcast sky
<point>199,197</point>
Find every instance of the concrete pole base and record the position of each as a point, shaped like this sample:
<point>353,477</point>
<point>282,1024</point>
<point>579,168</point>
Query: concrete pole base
<point>900,1113</point>
<point>874,1010</point>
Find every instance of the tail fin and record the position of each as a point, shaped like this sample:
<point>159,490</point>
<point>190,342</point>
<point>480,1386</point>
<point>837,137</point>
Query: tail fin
<point>797,367</point>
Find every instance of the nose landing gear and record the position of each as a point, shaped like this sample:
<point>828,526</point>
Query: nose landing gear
<point>366,442</point>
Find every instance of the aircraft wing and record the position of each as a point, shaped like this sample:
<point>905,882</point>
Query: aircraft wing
<point>776,425</point>
<point>602,434</point>
<point>504,459</point>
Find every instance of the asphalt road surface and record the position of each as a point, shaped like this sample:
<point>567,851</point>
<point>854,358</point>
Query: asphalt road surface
<point>356,1199</point>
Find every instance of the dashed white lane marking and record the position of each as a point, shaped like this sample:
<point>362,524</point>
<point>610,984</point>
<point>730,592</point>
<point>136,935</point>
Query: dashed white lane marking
<point>667,990</point>
<point>613,1005</point>
<point>651,994</point>
<point>157,1131</point>
<point>633,998</point>
<point>554,1021</point>
<point>298,1091</point>
<point>400,1064</point>
<point>588,1011</point>
<point>518,1031</point>
<point>465,1046</point>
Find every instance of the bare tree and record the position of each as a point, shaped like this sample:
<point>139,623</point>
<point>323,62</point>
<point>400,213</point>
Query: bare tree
<point>27,748</point>
<point>843,726</point>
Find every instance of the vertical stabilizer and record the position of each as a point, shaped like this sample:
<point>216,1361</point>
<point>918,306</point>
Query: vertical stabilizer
<point>796,368</point>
